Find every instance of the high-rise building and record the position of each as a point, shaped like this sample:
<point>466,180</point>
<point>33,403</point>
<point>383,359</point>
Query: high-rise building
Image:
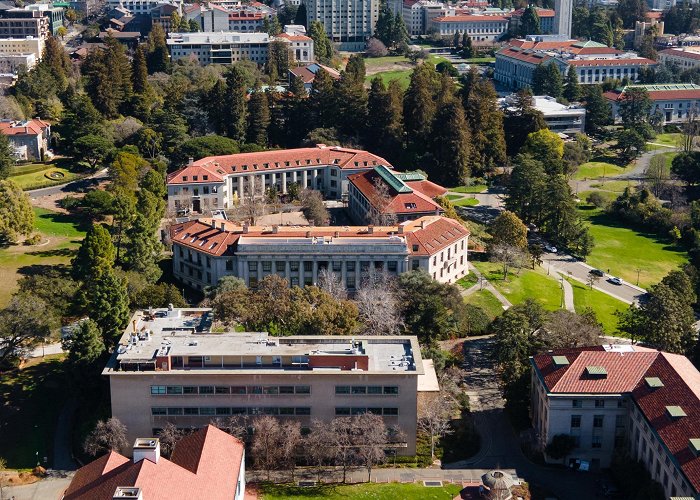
<point>348,22</point>
<point>563,10</point>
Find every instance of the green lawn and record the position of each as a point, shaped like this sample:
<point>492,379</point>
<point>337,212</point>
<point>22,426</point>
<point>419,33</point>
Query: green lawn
<point>529,284</point>
<point>377,62</point>
<point>369,491</point>
<point>606,194</point>
<point>624,250</point>
<point>476,188</point>
<point>602,304</point>
<point>672,140</point>
<point>37,179</point>
<point>32,399</point>
<point>614,186</point>
<point>481,60</point>
<point>668,157</point>
<point>465,202</point>
<point>403,76</point>
<point>64,234</point>
<point>468,281</point>
<point>595,169</point>
<point>487,301</point>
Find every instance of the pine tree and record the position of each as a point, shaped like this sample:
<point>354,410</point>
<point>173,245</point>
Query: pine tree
<point>96,253</point>
<point>450,145</point>
<point>323,49</point>
<point>456,40</point>
<point>300,17</point>
<point>384,29</point>
<point>158,59</point>
<point>139,71</point>
<point>216,112</point>
<point>351,98</point>
<point>144,248</point>
<point>521,120</point>
<point>546,80</point>
<point>7,159</point>
<point>85,346</point>
<point>529,22</point>
<point>235,104</point>
<point>322,100</point>
<point>526,190</point>
<point>601,30</point>
<point>108,75</point>
<point>57,60</point>
<point>384,127</point>
<point>258,116</point>
<point>107,304</point>
<point>597,109</point>
<point>572,89</point>
<point>400,32</point>
<point>296,113</point>
<point>16,214</point>
<point>419,106</point>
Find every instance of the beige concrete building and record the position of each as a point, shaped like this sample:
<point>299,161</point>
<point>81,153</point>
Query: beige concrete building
<point>170,367</point>
<point>622,397</point>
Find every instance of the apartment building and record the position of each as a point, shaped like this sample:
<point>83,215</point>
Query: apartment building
<point>245,21</point>
<point>301,47</point>
<point>208,463</point>
<point>205,250</point>
<point>219,48</point>
<point>53,15</point>
<point>217,182</point>
<point>142,6</point>
<point>416,14</point>
<point>480,28</point>
<point>349,23</point>
<point>382,194</point>
<point>593,62</point>
<point>683,57</point>
<point>614,397</point>
<point>35,27</point>
<point>18,53</point>
<point>675,102</point>
<point>170,367</point>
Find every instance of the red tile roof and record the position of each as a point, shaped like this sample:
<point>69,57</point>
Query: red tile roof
<point>205,464</point>
<point>658,95</point>
<point>611,62</point>
<point>31,127</point>
<point>243,15</point>
<point>294,38</point>
<point>400,203</point>
<point>216,167</point>
<point>626,374</point>
<point>437,233</point>
<point>540,12</point>
<point>308,76</point>
<point>686,54</point>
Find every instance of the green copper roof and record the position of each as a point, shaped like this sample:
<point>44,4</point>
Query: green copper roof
<point>392,179</point>
<point>410,176</point>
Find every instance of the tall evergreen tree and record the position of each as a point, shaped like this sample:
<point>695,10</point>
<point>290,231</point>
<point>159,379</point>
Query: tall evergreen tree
<point>526,189</point>
<point>56,59</point>
<point>258,116</point>
<point>529,22</point>
<point>384,29</point>
<point>96,253</point>
<point>323,49</point>
<point>144,248</point>
<point>107,304</point>
<point>108,75</point>
<point>216,112</point>
<point>631,11</point>
<point>572,88</point>
<point>546,80</point>
<point>7,158</point>
<point>235,104</point>
<point>322,100</point>
<point>399,33</point>
<point>139,71</point>
<point>450,144</point>
<point>597,109</point>
<point>601,29</point>
<point>521,119</point>
<point>158,59</point>
<point>384,119</point>
<point>300,17</point>
<point>351,98</point>
<point>419,107</point>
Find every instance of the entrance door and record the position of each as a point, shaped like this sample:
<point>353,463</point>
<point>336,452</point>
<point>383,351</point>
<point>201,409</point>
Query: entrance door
<point>196,205</point>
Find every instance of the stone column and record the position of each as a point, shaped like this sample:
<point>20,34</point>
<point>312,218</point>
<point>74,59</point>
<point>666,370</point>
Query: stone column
<point>305,179</point>
<point>314,177</point>
<point>273,180</point>
<point>284,182</point>
<point>240,189</point>
<point>314,270</point>
<point>295,176</point>
<point>301,273</point>
<point>251,185</point>
<point>286,270</point>
<point>260,271</point>
<point>344,273</point>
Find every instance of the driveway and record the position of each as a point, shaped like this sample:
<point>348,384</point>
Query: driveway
<point>78,186</point>
<point>51,488</point>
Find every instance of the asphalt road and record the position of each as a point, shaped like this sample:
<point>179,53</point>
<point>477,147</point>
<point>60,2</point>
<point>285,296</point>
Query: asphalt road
<point>78,186</point>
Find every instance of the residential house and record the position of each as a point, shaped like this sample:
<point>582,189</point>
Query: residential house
<point>29,139</point>
<point>308,73</point>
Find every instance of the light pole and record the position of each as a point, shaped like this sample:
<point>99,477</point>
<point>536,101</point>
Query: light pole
<point>638,271</point>
<point>561,284</point>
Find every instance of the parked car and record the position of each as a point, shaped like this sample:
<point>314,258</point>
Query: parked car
<point>596,272</point>
<point>615,281</point>
<point>551,248</point>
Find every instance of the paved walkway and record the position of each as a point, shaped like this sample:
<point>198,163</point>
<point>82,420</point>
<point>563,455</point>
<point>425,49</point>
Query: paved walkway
<point>485,284</point>
<point>62,441</point>
<point>51,488</point>
<point>568,293</point>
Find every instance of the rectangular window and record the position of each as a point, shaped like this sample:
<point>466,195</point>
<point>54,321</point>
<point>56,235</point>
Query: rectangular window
<point>303,389</point>
<point>337,266</point>
<point>358,411</point>
<point>238,411</point>
<point>294,266</point>
<point>174,390</point>
<point>374,389</point>
<point>391,412</point>
<point>206,389</point>
<point>189,389</point>
<point>391,390</point>
<point>222,410</point>
<point>222,389</point>
<point>238,389</point>
<point>620,420</point>
<point>359,389</point>
<point>350,282</point>
<point>279,266</point>
<point>286,389</point>
<point>294,281</point>
<point>597,442</point>
<point>391,266</point>
<point>308,266</point>
<point>271,390</point>
<point>267,266</point>
<point>342,412</point>
<point>600,403</point>
<point>576,403</point>
<point>304,410</point>
<point>174,411</point>
<point>286,411</point>
<point>252,266</point>
<point>207,411</point>
<point>191,411</point>
<point>350,266</point>
<point>575,421</point>
<point>342,389</point>
<point>157,390</point>
<point>159,411</point>
<point>598,420</point>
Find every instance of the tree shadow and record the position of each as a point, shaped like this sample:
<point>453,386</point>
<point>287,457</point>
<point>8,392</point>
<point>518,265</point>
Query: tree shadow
<point>78,222</point>
<point>604,219</point>
<point>38,269</point>
<point>56,252</point>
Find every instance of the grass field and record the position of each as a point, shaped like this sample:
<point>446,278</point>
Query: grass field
<point>378,62</point>
<point>465,202</point>
<point>595,169</point>
<point>487,301</point>
<point>61,237</point>
<point>668,157</point>
<point>602,304</point>
<point>32,399</point>
<point>28,177</point>
<point>481,60</point>
<point>624,250</point>
<point>671,140</point>
<point>530,284</point>
<point>468,281</point>
<point>614,186</point>
<point>369,491</point>
<point>403,76</point>
<point>476,188</point>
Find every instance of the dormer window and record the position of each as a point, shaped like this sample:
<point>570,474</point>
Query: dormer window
<point>653,382</point>
<point>415,248</point>
<point>184,178</point>
<point>675,412</point>
<point>286,163</point>
<point>205,177</point>
<point>560,361</point>
<point>694,445</point>
<point>596,372</point>
<point>266,165</point>
<point>194,178</point>
<point>245,167</point>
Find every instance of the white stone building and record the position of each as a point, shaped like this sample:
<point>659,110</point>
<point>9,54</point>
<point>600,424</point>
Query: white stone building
<point>415,14</point>
<point>563,12</point>
<point>674,101</point>
<point>683,57</point>
<point>218,182</point>
<point>479,28</point>
<point>349,23</point>
<point>622,397</point>
<point>205,250</point>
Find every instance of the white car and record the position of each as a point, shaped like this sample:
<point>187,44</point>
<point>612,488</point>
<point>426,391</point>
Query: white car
<point>550,248</point>
<point>615,281</point>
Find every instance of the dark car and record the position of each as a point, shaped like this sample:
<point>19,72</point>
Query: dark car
<point>596,272</point>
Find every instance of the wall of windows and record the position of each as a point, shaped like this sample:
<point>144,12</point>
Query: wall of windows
<point>217,390</point>
<point>211,411</point>
<point>346,411</point>
<point>367,390</point>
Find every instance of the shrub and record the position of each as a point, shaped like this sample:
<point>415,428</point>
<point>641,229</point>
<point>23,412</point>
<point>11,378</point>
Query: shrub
<point>69,203</point>
<point>597,199</point>
<point>34,239</point>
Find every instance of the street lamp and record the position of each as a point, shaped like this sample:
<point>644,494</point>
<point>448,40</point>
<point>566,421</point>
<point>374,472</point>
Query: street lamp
<point>638,271</point>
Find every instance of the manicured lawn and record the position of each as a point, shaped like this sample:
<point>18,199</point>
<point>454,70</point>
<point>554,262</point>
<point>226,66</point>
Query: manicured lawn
<point>614,186</point>
<point>481,60</point>
<point>403,76</point>
<point>602,304</point>
<point>487,301</point>
<point>64,234</point>
<point>668,157</point>
<point>465,202</point>
<point>369,491</point>
<point>32,399</point>
<point>610,196</point>
<point>624,250</point>
<point>35,180</point>
<point>468,281</point>
<point>378,62</point>
<point>529,284</point>
<point>476,188</point>
<point>594,169</point>
<point>671,140</point>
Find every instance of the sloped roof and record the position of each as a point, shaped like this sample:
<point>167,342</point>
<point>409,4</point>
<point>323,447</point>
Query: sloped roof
<point>205,464</point>
<point>308,73</point>
<point>659,92</point>
<point>31,127</point>
<point>679,52</point>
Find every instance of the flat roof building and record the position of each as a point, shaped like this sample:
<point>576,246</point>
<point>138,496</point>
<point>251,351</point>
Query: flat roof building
<point>170,367</point>
<point>560,118</point>
<point>205,250</point>
<point>219,47</point>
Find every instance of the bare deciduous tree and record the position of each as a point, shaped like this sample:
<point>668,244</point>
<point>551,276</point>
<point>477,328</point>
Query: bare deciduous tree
<point>332,283</point>
<point>313,208</point>
<point>370,440</point>
<point>251,206</point>
<point>690,130</point>
<point>509,256</point>
<point>435,410</point>
<point>566,329</point>
<point>169,436</point>
<point>317,446</point>
<point>378,305</point>
<point>108,435</point>
<point>265,445</point>
<point>237,426</point>
<point>592,279</point>
<point>290,440</point>
<point>657,175</point>
<point>379,214</point>
<point>340,439</point>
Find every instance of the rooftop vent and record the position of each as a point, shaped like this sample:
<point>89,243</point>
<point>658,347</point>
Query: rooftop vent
<point>560,360</point>
<point>596,372</point>
<point>123,492</point>
<point>675,412</point>
<point>148,448</point>
<point>654,382</point>
<point>694,445</point>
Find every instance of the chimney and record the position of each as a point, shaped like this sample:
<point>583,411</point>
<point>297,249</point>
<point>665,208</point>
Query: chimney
<point>275,229</point>
<point>245,228</point>
<point>190,160</point>
<point>133,323</point>
<point>336,234</point>
<point>213,223</point>
<point>222,226</point>
<point>148,448</point>
<point>130,492</point>
<point>308,234</point>
<point>401,228</point>
<point>370,229</point>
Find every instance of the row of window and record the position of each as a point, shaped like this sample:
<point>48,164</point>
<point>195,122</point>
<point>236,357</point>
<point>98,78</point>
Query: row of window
<point>336,266</point>
<point>211,411</point>
<point>269,390</point>
<point>344,411</point>
<point>361,390</point>
<point>598,403</point>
